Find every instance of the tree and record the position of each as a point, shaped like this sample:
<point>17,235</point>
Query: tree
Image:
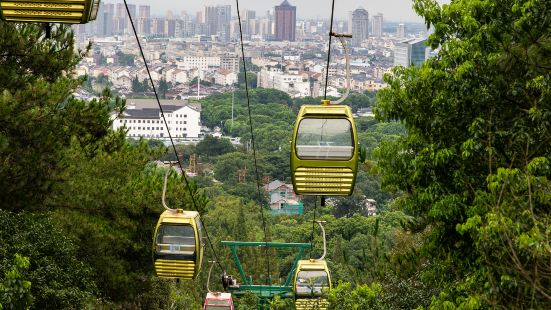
<point>125,59</point>
<point>136,85</point>
<point>56,278</point>
<point>15,291</point>
<point>362,297</point>
<point>251,78</point>
<point>473,168</point>
<point>39,119</point>
<point>140,87</point>
<point>163,87</point>
<point>212,146</point>
<point>76,196</point>
<point>203,82</point>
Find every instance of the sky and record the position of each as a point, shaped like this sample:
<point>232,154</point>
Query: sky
<point>393,10</point>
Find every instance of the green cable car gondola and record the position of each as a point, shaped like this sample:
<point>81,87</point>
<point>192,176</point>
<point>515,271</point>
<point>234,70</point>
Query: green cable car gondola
<point>324,150</point>
<point>178,244</point>
<point>49,11</point>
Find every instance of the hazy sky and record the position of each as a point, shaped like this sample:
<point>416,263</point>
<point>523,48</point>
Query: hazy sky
<point>393,10</point>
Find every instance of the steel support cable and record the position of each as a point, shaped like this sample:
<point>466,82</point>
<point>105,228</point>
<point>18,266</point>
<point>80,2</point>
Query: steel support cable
<point>313,227</point>
<point>252,139</point>
<point>169,135</point>
<point>329,50</point>
<point>322,199</point>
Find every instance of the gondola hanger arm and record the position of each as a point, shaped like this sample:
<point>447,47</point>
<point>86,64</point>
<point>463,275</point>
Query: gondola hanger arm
<point>164,190</point>
<point>341,37</point>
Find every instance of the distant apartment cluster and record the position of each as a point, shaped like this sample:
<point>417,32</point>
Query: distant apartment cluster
<point>211,23</point>
<point>288,54</point>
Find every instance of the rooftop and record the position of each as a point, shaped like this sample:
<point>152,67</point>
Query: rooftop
<point>148,108</point>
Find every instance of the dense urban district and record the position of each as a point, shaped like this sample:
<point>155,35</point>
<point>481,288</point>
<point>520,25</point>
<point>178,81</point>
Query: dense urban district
<point>452,203</point>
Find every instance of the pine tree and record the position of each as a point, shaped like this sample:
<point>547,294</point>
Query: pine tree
<point>39,116</point>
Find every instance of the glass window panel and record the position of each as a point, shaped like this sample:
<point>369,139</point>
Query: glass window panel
<point>175,239</point>
<point>312,282</point>
<point>324,138</point>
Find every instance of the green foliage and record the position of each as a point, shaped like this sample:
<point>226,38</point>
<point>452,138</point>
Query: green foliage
<point>251,79</point>
<point>203,82</point>
<point>472,168</point>
<point>248,302</point>
<point>15,291</point>
<point>124,59</point>
<point>140,87</point>
<point>82,193</point>
<point>59,279</point>
<point>212,146</point>
<point>163,87</point>
<point>362,297</point>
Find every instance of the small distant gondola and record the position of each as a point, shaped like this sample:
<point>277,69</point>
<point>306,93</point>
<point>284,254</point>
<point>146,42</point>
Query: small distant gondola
<point>218,301</point>
<point>311,282</point>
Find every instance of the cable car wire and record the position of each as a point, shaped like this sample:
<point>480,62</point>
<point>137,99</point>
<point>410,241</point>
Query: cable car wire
<point>252,139</point>
<point>329,50</point>
<point>322,199</point>
<point>313,227</point>
<point>169,135</point>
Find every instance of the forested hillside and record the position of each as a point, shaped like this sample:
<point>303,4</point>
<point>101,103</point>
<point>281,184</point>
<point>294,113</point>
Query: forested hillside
<point>458,161</point>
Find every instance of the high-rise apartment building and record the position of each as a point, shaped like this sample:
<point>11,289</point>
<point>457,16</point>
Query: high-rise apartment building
<point>377,28</point>
<point>401,31</point>
<point>217,20</point>
<point>144,19</point>
<point>223,15</point>
<point>145,11</point>
<point>410,52</point>
<point>359,26</point>
<point>285,21</point>
<point>104,20</point>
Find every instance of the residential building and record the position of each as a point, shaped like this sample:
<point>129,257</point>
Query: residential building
<point>142,118</point>
<point>229,62</point>
<point>285,21</point>
<point>217,20</point>
<point>199,62</point>
<point>225,77</point>
<point>377,28</point>
<point>104,20</point>
<point>410,52</point>
<point>401,31</point>
<point>296,85</point>
<point>283,199</point>
<point>359,26</point>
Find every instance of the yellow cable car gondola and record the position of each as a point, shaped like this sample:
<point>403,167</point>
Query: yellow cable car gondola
<point>178,243</point>
<point>312,280</point>
<point>49,11</point>
<point>324,149</point>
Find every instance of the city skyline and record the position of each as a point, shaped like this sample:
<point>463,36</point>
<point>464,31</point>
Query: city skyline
<point>396,10</point>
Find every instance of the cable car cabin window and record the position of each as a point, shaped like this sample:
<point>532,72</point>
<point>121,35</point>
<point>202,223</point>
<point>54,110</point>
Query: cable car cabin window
<point>175,239</point>
<point>215,304</point>
<point>324,138</point>
<point>202,237</point>
<point>211,307</point>
<point>312,283</point>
